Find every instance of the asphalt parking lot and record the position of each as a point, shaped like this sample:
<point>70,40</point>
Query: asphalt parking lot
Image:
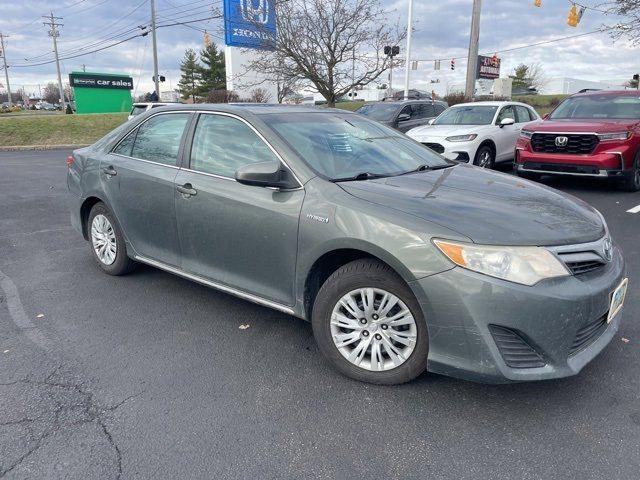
<point>150,376</point>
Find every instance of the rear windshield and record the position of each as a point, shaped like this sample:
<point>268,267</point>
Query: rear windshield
<point>599,106</point>
<point>138,109</point>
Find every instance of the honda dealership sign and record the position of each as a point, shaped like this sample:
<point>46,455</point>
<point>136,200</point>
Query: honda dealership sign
<point>250,23</point>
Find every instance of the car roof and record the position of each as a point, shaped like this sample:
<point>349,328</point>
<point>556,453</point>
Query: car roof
<point>254,108</point>
<point>492,103</point>
<point>613,93</point>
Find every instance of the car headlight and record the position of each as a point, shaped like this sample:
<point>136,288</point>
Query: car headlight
<point>526,134</point>
<point>524,265</point>
<point>614,136</point>
<point>462,138</point>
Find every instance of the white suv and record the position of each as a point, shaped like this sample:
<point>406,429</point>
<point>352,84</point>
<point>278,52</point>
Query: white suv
<point>482,133</point>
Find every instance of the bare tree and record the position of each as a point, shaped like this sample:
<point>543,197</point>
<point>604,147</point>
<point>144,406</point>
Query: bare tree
<point>260,95</point>
<point>332,45</point>
<point>51,93</point>
<point>629,10</point>
<point>529,76</point>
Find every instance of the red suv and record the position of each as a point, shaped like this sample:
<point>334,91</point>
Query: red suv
<point>593,134</point>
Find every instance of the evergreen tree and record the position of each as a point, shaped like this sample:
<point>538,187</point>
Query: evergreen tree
<point>212,70</point>
<point>191,78</point>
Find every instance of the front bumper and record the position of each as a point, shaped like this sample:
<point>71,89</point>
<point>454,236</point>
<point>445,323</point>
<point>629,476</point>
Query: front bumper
<point>609,163</point>
<point>460,306</point>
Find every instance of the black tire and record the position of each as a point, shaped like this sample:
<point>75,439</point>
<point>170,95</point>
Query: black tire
<point>362,274</point>
<point>122,263</point>
<point>479,161</point>
<point>632,182</point>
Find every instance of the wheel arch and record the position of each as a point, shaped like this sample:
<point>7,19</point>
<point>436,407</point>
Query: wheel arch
<point>334,258</point>
<point>85,210</point>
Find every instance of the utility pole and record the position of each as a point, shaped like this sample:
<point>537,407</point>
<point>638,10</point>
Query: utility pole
<point>156,79</point>
<point>6,69</point>
<point>54,33</point>
<point>407,67</point>
<point>472,61</point>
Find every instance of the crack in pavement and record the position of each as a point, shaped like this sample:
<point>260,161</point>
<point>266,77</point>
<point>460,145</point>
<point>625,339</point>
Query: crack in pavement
<point>76,402</point>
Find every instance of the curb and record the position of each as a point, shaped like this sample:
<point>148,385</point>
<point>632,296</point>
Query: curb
<point>18,148</point>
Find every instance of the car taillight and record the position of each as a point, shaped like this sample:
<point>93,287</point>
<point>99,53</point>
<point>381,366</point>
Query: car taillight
<point>69,160</point>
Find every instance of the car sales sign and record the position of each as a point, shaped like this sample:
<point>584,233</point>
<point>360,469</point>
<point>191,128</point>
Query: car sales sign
<point>91,80</point>
<point>250,23</point>
<point>488,67</point>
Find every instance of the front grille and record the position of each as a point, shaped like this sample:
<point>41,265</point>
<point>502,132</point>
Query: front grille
<point>577,144</point>
<point>515,351</point>
<point>584,266</point>
<point>436,147</point>
<point>588,334</point>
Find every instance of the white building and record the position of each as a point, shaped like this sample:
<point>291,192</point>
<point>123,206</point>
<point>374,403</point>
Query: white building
<point>568,86</point>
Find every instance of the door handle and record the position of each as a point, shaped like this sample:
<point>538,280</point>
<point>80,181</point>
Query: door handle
<point>186,190</point>
<point>109,171</point>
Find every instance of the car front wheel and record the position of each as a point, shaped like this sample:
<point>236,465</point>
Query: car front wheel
<point>369,325</point>
<point>632,183</point>
<point>485,157</point>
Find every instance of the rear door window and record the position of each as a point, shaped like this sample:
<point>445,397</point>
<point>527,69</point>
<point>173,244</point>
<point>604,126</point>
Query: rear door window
<point>158,139</point>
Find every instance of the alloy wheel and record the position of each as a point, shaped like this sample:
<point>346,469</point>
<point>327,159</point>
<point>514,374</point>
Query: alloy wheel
<point>103,239</point>
<point>373,329</point>
<point>484,161</point>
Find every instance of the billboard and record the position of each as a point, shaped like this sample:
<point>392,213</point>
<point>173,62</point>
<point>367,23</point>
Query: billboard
<point>250,23</point>
<point>93,80</point>
<point>488,67</point>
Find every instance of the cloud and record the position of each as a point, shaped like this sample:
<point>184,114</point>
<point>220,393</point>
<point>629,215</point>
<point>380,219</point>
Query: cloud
<point>441,31</point>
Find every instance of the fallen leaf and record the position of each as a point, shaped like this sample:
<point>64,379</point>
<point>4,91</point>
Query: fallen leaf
<point>244,327</point>
<point>40,315</point>
<point>625,340</point>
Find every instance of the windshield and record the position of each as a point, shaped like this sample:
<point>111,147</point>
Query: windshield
<point>342,146</point>
<point>599,106</point>
<point>467,115</point>
<point>378,111</point>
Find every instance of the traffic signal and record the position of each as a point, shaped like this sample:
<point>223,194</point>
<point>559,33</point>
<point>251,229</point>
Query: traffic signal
<point>453,64</point>
<point>391,51</point>
<point>575,15</point>
<point>537,3</point>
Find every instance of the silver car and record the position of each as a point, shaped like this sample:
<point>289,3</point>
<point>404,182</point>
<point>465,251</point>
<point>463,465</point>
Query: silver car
<point>402,260</point>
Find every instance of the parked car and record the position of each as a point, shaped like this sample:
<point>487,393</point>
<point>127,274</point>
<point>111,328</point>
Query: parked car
<point>403,115</point>
<point>591,134</point>
<point>482,133</point>
<point>141,107</point>
<point>46,106</point>
<point>401,259</point>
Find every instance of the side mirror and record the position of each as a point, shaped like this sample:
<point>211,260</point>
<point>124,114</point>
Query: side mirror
<point>432,121</point>
<point>266,174</point>
<point>507,121</point>
<point>403,117</point>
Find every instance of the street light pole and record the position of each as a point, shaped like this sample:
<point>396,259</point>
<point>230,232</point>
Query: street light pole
<point>472,61</point>
<point>407,67</point>
<point>156,79</point>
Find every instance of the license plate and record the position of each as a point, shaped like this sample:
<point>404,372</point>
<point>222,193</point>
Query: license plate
<point>617,299</point>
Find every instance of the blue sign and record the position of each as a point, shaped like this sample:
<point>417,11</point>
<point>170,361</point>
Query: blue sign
<point>250,23</point>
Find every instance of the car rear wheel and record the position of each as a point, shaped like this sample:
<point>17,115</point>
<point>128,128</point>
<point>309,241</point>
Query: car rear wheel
<point>369,325</point>
<point>107,242</point>
<point>485,157</point>
<point>632,182</point>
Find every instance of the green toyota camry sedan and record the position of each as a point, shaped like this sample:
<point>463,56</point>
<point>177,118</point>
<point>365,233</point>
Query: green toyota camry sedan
<point>403,261</point>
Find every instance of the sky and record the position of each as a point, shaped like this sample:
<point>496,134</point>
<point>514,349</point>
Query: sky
<point>441,31</point>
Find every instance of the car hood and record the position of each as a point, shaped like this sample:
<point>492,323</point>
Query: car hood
<point>437,131</point>
<point>573,125</point>
<point>488,207</point>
